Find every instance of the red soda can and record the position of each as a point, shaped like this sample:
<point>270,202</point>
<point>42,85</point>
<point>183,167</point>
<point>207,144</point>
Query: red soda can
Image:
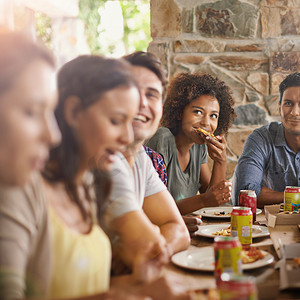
<point>247,198</point>
<point>291,198</point>
<point>227,251</point>
<point>235,287</point>
<point>241,224</point>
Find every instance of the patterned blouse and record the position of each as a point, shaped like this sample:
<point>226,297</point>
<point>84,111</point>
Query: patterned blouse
<point>158,163</point>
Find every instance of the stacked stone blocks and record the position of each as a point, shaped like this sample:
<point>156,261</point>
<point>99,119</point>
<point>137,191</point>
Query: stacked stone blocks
<point>251,45</point>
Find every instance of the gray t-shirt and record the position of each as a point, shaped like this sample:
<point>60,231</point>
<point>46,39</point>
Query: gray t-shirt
<point>180,184</point>
<point>131,186</point>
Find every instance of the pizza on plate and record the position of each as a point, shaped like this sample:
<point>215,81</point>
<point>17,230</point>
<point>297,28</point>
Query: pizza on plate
<point>251,254</point>
<point>223,232</point>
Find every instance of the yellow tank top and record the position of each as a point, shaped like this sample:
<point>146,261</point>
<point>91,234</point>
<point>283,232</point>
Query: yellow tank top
<point>80,262</point>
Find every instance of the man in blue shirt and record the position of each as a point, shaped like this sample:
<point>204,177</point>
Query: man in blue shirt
<point>270,160</point>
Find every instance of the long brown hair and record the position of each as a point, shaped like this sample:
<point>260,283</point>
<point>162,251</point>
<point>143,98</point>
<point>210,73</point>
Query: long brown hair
<point>87,77</point>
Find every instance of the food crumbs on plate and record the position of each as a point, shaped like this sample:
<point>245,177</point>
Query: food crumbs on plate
<point>223,232</point>
<point>222,213</point>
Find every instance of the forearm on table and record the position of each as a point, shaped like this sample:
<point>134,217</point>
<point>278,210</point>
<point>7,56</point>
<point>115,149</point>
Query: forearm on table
<point>268,197</point>
<point>135,231</point>
<point>168,219</point>
<point>176,235</point>
<point>188,205</point>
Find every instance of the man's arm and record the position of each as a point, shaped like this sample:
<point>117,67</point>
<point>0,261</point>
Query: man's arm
<point>268,196</point>
<point>135,232</point>
<point>250,168</point>
<point>162,211</point>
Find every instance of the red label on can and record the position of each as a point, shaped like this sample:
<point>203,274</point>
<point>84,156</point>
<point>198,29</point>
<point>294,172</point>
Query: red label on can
<point>292,189</point>
<point>247,198</point>
<point>227,251</point>
<point>237,287</point>
<point>241,224</point>
<point>292,198</point>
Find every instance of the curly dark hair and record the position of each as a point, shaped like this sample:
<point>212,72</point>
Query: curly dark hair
<point>185,88</point>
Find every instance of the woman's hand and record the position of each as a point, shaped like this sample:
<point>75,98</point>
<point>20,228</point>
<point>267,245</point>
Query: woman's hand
<point>192,223</point>
<point>217,148</point>
<point>218,194</point>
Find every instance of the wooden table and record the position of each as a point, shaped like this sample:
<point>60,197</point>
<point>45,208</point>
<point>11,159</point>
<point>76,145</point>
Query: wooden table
<point>267,277</point>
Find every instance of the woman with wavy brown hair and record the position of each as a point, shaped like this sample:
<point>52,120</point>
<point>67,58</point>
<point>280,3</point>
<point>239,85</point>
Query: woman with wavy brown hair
<point>98,99</point>
<point>193,102</point>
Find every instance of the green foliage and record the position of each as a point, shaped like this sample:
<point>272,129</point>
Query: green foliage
<point>136,16</point>
<point>43,29</point>
<point>136,21</point>
<point>88,12</point>
<point>136,25</point>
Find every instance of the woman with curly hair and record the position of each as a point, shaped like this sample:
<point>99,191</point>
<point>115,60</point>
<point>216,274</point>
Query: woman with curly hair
<point>193,102</point>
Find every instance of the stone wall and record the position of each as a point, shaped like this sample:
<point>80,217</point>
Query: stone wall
<point>251,45</point>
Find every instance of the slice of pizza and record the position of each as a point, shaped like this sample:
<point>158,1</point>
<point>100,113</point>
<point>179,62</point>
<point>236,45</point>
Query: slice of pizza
<point>206,133</point>
<point>251,254</point>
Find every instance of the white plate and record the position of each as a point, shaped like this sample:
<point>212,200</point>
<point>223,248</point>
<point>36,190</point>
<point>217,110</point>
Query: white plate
<point>208,230</point>
<point>210,211</point>
<point>202,259</point>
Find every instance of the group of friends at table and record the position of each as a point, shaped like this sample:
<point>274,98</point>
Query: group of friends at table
<point>101,165</point>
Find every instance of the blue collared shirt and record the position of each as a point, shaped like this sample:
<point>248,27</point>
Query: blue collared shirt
<point>266,161</point>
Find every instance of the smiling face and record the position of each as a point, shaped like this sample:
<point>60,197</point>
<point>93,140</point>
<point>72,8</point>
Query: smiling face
<point>150,110</point>
<point>203,112</point>
<point>105,127</point>
<point>27,123</point>
<point>289,109</point>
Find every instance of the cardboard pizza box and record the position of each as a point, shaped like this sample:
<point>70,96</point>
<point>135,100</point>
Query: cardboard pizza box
<point>275,217</point>
<point>289,270</point>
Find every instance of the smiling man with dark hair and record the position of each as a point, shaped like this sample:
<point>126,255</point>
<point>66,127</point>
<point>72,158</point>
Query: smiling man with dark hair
<point>270,160</point>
